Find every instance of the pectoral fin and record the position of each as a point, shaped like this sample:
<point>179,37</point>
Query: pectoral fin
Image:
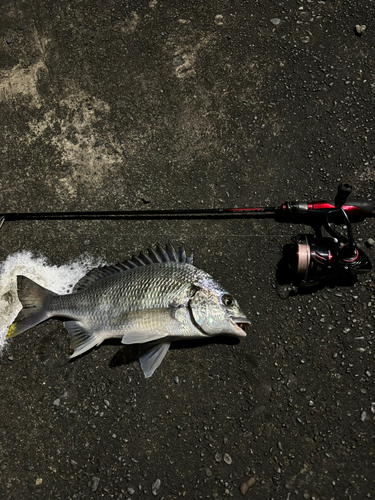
<point>151,355</point>
<point>150,324</point>
<point>141,336</point>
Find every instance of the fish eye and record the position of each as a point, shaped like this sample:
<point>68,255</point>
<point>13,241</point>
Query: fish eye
<point>227,300</point>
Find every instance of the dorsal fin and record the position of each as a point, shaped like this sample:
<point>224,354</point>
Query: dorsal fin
<point>154,256</point>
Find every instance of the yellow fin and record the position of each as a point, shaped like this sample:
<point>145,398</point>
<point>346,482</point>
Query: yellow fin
<point>11,331</point>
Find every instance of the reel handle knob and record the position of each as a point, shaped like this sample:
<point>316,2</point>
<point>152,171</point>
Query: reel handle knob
<point>343,191</point>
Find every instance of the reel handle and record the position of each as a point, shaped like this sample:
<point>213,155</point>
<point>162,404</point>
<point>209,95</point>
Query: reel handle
<point>343,191</point>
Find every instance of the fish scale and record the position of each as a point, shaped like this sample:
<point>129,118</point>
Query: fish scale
<point>149,300</point>
<point>133,290</point>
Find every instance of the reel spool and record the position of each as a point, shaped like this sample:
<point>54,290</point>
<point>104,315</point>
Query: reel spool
<point>317,260</point>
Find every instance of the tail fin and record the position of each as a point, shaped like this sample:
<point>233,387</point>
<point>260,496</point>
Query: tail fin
<point>36,306</point>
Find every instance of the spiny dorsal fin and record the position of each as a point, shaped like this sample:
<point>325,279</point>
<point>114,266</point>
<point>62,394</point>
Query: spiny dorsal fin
<point>154,256</point>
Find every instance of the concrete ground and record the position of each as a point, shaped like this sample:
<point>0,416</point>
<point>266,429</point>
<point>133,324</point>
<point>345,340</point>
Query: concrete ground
<point>165,105</point>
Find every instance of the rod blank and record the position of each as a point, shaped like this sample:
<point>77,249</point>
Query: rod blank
<point>214,213</point>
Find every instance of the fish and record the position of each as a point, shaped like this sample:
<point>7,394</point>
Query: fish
<point>151,299</point>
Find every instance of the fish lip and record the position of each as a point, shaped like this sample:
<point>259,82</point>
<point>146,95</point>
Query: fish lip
<point>239,322</point>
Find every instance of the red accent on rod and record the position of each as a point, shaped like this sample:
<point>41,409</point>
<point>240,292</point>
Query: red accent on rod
<point>320,205</point>
<point>324,205</point>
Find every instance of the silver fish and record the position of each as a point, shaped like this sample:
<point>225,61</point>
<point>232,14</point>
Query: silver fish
<point>150,300</point>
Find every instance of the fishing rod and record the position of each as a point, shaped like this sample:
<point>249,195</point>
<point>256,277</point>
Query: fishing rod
<point>292,212</point>
<point>314,258</point>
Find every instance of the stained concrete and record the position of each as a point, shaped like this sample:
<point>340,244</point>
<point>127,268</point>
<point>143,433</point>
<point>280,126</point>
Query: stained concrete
<point>165,105</point>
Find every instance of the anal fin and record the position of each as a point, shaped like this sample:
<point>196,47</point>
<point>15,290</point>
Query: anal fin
<point>80,339</point>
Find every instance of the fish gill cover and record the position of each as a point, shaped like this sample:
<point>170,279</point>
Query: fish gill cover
<point>59,279</point>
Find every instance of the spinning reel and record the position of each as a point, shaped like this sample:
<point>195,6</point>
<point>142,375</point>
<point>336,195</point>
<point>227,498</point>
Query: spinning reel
<point>314,259</point>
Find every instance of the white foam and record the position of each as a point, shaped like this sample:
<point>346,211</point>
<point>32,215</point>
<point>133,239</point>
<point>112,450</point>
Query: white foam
<point>59,279</point>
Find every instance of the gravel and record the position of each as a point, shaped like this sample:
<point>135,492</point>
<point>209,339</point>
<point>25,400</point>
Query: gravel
<point>215,107</point>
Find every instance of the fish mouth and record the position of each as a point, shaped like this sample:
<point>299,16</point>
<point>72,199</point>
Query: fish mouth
<point>239,323</point>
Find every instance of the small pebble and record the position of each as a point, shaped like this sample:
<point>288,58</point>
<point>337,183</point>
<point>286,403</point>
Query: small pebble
<point>9,41</point>
<point>177,61</point>
<point>227,459</point>
<point>95,483</point>
<point>360,28</point>
<point>38,481</point>
<point>219,19</point>
<point>156,487</point>
<point>370,242</point>
<point>246,485</point>
<point>275,21</point>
